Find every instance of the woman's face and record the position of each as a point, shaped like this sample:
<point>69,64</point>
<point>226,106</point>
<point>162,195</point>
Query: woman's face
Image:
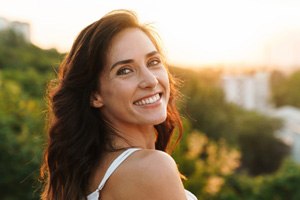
<point>134,86</point>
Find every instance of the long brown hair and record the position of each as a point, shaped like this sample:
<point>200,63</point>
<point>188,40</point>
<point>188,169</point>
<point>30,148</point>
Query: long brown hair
<point>77,134</point>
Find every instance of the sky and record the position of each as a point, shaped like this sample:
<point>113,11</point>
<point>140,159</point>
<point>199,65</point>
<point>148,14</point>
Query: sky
<point>194,32</point>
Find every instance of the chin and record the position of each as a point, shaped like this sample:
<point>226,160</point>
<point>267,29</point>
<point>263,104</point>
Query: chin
<point>161,120</point>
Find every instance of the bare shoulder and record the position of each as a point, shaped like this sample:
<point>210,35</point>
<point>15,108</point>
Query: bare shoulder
<point>149,164</point>
<point>153,161</point>
<point>148,174</point>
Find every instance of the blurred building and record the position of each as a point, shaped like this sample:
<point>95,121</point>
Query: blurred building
<point>290,132</point>
<point>250,91</point>
<point>22,28</point>
<point>3,23</point>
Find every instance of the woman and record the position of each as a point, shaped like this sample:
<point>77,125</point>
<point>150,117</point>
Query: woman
<point>113,117</point>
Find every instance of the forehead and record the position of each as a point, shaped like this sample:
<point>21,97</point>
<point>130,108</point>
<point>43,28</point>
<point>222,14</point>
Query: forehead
<point>129,44</point>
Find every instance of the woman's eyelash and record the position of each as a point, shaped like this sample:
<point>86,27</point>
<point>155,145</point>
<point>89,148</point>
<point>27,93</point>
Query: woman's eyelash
<point>123,71</point>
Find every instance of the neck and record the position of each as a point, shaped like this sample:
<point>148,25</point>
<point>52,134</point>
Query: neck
<point>143,137</point>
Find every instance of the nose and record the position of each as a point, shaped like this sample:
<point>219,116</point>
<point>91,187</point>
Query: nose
<point>147,79</point>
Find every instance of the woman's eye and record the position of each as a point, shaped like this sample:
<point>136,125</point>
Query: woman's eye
<point>154,62</point>
<point>124,71</point>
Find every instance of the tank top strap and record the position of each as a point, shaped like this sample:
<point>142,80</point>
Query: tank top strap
<point>114,165</point>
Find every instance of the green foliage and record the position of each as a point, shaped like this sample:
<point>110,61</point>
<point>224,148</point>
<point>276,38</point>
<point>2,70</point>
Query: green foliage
<point>285,89</point>
<point>262,151</point>
<point>206,163</point>
<point>251,132</point>
<point>24,73</point>
<point>283,185</point>
<point>239,186</point>
<point>204,101</point>
<point>20,142</point>
<point>15,53</point>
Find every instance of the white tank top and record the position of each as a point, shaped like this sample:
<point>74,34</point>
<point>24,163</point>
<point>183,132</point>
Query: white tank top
<point>114,165</point>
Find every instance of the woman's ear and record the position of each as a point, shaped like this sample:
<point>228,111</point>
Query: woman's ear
<point>96,100</point>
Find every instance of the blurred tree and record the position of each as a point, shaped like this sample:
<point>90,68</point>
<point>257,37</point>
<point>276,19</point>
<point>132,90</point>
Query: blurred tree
<point>239,186</point>
<point>31,82</point>
<point>20,143</point>
<point>282,185</point>
<point>277,89</point>
<point>285,89</point>
<point>204,104</point>
<point>252,133</point>
<point>206,163</point>
<point>24,72</point>
<point>15,53</point>
<point>262,151</point>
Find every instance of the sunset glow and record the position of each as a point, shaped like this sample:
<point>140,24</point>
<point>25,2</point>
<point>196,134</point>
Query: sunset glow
<point>193,32</point>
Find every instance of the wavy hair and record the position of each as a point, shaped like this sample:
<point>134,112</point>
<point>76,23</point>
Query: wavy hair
<point>77,132</point>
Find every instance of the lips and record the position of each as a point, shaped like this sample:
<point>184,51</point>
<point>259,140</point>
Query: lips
<point>148,100</point>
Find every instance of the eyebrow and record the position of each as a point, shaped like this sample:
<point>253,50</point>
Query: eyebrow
<point>121,62</point>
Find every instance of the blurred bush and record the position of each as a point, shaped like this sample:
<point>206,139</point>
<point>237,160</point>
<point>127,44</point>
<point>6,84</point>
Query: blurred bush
<point>24,72</point>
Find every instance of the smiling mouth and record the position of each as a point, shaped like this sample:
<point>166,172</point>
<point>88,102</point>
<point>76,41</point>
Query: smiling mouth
<point>148,100</point>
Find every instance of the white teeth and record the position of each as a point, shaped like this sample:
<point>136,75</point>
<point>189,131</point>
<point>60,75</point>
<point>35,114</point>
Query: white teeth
<point>148,100</point>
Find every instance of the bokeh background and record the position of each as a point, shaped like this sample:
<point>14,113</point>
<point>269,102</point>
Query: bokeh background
<point>239,66</point>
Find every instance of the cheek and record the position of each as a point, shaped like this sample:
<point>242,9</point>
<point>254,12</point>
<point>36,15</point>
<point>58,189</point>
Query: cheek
<point>163,77</point>
<point>165,80</point>
<point>116,91</point>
